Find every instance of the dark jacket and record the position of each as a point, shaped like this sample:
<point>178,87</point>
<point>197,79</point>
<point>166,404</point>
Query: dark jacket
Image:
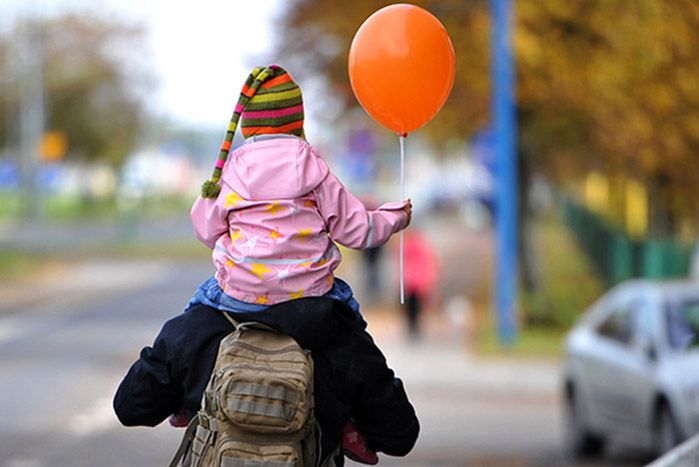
<point>351,374</point>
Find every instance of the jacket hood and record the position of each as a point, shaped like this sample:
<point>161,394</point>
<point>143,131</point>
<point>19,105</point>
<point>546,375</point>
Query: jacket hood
<point>278,168</point>
<point>313,322</point>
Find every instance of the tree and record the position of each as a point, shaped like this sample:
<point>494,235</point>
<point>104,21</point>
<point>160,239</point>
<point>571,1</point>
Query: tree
<point>92,83</point>
<point>317,35</point>
<point>606,86</point>
<point>615,79</point>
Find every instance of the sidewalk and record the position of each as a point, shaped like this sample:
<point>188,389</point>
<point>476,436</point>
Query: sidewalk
<point>63,280</point>
<point>442,358</point>
<point>473,411</point>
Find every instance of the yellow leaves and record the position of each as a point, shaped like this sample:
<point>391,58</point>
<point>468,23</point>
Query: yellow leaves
<point>636,208</point>
<point>691,123</point>
<point>687,83</point>
<point>528,47</point>
<point>608,85</point>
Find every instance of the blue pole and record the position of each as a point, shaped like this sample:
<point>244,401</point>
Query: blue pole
<point>505,125</point>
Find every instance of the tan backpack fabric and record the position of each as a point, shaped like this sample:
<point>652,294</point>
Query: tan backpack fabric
<point>257,410</point>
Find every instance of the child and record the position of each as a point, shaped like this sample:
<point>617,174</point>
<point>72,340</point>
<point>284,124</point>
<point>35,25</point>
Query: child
<point>272,211</point>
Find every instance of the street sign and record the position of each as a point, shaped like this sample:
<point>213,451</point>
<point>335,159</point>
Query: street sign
<point>54,145</point>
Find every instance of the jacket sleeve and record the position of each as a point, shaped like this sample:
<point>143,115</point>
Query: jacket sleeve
<point>151,390</point>
<point>350,223</point>
<point>380,405</point>
<point>209,219</point>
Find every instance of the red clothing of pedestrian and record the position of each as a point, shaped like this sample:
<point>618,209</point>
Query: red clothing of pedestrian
<point>421,268</point>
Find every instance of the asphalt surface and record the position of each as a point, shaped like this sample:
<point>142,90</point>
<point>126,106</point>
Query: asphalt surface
<point>68,335</point>
<point>63,353</point>
<point>64,350</point>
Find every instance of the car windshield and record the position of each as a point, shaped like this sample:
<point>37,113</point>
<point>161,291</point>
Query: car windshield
<point>683,324</point>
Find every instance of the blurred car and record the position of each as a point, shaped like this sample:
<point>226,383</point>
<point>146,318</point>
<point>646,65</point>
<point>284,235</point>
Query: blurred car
<point>631,369</point>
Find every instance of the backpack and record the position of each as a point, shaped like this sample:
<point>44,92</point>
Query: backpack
<point>257,409</point>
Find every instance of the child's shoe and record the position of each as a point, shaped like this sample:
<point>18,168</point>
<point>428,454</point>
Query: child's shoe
<point>354,446</point>
<point>179,419</point>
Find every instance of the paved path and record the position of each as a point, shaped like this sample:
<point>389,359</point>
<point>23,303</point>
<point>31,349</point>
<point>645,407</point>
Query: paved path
<point>63,351</point>
<point>68,336</point>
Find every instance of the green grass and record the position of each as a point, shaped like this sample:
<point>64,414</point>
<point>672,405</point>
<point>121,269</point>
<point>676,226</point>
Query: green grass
<point>14,264</point>
<point>72,208</point>
<point>9,205</point>
<point>568,283</point>
<point>179,250</point>
<point>532,341</point>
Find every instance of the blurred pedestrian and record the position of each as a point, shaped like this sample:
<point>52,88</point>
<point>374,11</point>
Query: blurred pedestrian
<point>421,272</point>
<point>371,257</point>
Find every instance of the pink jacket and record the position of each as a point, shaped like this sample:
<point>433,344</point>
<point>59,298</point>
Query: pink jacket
<point>273,225</point>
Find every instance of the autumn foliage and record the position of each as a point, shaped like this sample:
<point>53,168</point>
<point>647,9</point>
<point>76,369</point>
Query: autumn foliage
<point>609,87</point>
<point>94,83</point>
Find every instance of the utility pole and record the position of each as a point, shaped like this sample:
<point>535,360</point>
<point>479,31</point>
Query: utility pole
<point>31,109</point>
<point>505,125</point>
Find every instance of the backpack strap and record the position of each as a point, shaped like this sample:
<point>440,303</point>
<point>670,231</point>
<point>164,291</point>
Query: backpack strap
<point>186,442</point>
<point>247,324</point>
<point>230,319</point>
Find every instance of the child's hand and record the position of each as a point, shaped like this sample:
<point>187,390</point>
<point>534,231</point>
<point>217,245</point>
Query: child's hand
<point>408,209</point>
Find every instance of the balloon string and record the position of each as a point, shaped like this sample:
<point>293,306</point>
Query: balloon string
<point>402,198</point>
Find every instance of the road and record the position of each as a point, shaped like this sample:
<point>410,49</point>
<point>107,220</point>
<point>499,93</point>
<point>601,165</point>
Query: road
<point>63,351</point>
<point>69,335</point>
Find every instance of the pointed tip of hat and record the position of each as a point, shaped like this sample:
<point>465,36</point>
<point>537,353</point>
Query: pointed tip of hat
<point>210,189</point>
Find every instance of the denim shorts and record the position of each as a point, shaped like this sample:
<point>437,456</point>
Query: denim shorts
<point>211,294</point>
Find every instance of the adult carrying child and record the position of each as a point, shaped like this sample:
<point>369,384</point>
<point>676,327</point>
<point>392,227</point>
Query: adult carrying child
<point>271,213</point>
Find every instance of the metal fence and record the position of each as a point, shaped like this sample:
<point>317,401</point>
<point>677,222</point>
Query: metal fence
<point>618,257</point>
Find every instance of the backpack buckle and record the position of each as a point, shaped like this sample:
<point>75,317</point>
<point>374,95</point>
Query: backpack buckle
<point>206,422</point>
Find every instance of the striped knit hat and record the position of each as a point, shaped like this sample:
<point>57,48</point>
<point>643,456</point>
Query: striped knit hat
<point>269,103</point>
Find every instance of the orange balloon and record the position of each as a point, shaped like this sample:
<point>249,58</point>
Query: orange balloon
<point>401,66</point>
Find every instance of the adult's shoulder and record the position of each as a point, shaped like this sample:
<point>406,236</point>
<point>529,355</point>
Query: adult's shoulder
<point>189,330</point>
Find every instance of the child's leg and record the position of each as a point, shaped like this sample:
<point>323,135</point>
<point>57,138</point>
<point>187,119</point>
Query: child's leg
<point>204,295</point>
<point>179,419</point>
<point>211,294</point>
<point>342,291</point>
